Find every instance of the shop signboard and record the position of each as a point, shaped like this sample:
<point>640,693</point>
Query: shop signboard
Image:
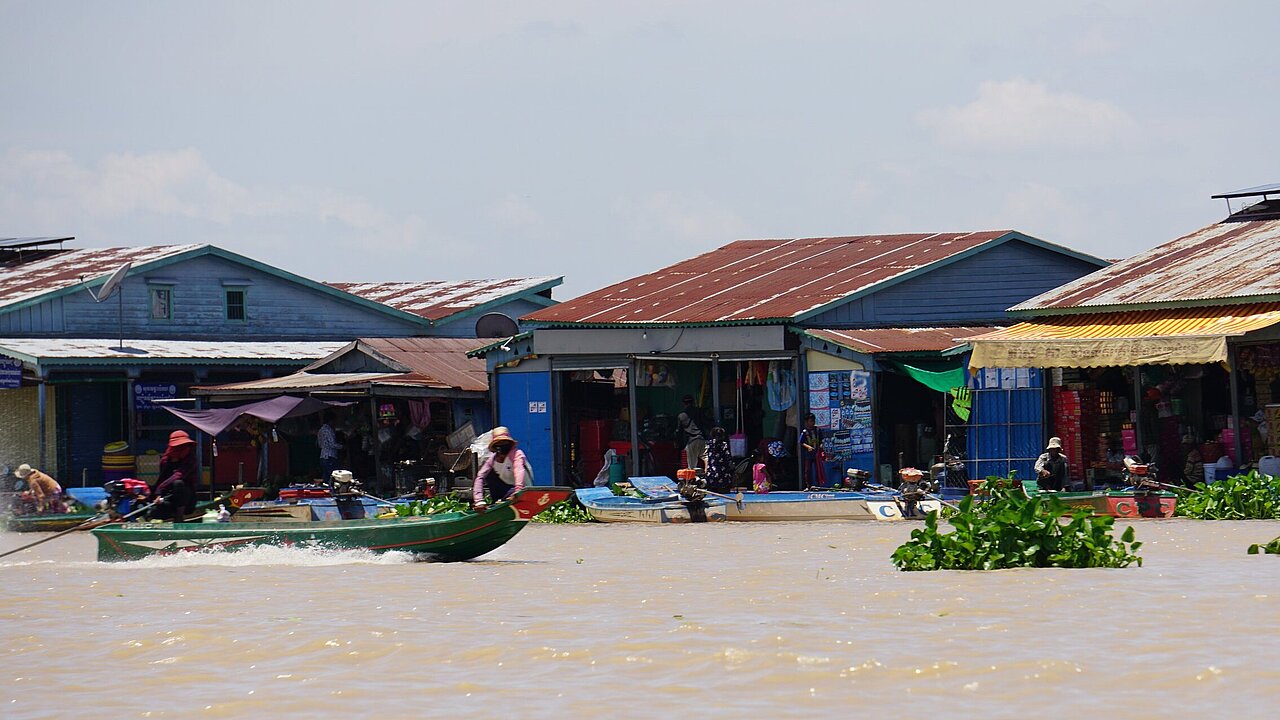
<point>10,373</point>
<point>841,405</point>
<point>145,394</point>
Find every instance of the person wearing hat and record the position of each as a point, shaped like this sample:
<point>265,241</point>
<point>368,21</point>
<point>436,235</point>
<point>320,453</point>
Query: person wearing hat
<point>503,474</point>
<point>45,491</point>
<point>1051,467</point>
<point>175,494</point>
<point>689,427</point>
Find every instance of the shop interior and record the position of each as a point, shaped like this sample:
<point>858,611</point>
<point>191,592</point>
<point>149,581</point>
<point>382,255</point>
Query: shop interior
<point>910,416</point>
<point>595,413</point>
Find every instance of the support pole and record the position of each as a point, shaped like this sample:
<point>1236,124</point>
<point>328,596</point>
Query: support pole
<point>1137,406</point>
<point>632,374</point>
<point>715,387</point>
<point>42,410</point>
<point>1237,431</point>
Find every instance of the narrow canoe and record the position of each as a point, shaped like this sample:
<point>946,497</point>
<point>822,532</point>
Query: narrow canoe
<point>445,537</point>
<point>1128,503</point>
<point>792,506</point>
<point>604,506</point>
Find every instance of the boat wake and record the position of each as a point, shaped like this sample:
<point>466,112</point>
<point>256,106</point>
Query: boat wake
<point>267,555</point>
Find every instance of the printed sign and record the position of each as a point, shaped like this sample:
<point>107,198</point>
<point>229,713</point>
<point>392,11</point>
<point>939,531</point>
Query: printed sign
<point>145,394</point>
<point>10,374</point>
<point>537,407</point>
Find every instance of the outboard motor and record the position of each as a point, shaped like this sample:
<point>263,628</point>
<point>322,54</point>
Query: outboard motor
<point>1140,475</point>
<point>124,496</point>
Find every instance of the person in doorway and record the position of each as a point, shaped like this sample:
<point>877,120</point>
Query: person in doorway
<point>1192,463</point>
<point>1051,467</point>
<point>689,427</point>
<point>45,491</point>
<point>503,474</point>
<point>175,494</point>
<point>717,462</point>
<point>811,446</point>
<point>327,439</point>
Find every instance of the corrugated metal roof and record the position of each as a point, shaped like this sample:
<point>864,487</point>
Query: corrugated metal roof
<point>755,280</point>
<point>897,340</point>
<point>89,350</point>
<point>300,381</point>
<point>439,299</point>
<point>1172,322</point>
<point>1236,261</point>
<point>22,277</point>
<point>440,360</point>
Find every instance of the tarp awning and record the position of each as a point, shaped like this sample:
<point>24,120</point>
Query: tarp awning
<point>1175,336</point>
<point>942,376</point>
<point>215,420</point>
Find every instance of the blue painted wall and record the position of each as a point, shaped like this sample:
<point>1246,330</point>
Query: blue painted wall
<point>516,390</point>
<point>975,290</point>
<point>275,307</point>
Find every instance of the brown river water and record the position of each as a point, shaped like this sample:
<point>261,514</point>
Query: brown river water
<point>726,620</point>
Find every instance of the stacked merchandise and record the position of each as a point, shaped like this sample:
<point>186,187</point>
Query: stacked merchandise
<point>1074,419</point>
<point>118,462</point>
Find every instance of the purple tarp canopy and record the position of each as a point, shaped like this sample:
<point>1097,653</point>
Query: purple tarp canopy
<point>218,419</point>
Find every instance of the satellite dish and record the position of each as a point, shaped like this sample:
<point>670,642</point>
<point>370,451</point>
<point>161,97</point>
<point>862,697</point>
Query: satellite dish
<point>111,284</point>
<point>496,325</point>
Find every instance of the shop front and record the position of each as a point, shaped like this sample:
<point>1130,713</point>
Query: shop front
<point>1191,389</point>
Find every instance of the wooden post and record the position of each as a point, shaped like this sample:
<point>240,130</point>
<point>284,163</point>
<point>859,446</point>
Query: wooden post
<point>632,374</point>
<point>1237,431</point>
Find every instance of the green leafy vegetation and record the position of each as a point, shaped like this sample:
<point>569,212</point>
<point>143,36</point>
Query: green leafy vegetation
<point>434,506</point>
<point>1251,496</point>
<point>565,511</point>
<point>1006,529</point>
<point>1271,548</point>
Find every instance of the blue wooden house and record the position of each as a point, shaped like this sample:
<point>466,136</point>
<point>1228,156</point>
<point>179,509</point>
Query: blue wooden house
<point>864,332</point>
<point>83,373</point>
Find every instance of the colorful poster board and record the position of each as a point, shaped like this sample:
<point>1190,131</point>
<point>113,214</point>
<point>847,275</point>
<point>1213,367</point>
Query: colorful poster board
<point>841,405</point>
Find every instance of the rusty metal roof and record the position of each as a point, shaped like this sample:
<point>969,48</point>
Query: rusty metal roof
<point>1231,262</point>
<point>29,275</point>
<point>439,299</point>
<point>899,340</point>
<point>95,351</point>
<point>436,362</point>
<point>752,281</point>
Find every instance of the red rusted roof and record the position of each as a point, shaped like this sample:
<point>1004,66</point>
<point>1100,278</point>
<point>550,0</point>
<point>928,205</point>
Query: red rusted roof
<point>434,360</point>
<point>24,276</point>
<point>756,280</point>
<point>1229,261</point>
<point>895,340</point>
<point>438,299</point>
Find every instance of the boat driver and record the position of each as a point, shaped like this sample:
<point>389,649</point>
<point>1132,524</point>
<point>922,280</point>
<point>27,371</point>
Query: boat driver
<point>1051,467</point>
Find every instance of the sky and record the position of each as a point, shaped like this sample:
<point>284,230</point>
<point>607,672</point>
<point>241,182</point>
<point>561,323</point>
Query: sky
<point>401,141</point>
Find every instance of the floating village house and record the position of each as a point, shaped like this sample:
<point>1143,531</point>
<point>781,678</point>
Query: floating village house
<point>861,331</point>
<point>77,374</point>
<point>1172,350</point>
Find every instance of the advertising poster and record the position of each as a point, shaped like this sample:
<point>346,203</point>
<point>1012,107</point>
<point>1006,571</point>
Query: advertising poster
<point>841,405</point>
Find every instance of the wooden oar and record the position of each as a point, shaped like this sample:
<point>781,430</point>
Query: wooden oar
<point>82,526</point>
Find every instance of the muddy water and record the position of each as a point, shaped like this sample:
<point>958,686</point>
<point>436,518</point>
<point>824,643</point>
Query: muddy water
<point>788,620</point>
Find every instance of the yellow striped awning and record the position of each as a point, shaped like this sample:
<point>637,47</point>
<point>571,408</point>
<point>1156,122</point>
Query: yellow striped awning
<point>1174,336</point>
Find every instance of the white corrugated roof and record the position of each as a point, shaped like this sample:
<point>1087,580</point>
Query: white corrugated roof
<point>152,350</point>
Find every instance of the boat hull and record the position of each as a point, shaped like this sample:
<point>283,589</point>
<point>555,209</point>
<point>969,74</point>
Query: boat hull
<point>604,506</point>
<point>447,537</point>
<point>1125,504</point>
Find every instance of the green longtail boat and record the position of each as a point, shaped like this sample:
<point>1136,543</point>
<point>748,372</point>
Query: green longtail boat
<point>447,536</point>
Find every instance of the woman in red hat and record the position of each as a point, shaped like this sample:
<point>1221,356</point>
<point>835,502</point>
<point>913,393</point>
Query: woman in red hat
<point>503,474</point>
<point>175,495</point>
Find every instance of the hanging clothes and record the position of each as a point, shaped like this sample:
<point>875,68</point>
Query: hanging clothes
<point>780,386</point>
<point>420,412</point>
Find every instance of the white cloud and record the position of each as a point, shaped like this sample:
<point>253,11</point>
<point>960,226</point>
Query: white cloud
<point>667,216</point>
<point>1023,115</point>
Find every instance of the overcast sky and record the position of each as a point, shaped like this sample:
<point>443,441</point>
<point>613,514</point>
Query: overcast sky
<point>600,140</point>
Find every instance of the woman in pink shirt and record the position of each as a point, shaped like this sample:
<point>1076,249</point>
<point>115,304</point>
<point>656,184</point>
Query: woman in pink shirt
<point>503,474</point>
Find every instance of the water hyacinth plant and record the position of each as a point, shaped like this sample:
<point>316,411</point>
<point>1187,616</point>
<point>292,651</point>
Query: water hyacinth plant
<point>1006,529</point>
<point>1271,548</point>
<point>563,512</point>
<point>1251,496</point>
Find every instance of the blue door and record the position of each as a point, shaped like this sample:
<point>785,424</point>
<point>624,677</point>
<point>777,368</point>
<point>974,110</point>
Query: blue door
<point>524,406</point>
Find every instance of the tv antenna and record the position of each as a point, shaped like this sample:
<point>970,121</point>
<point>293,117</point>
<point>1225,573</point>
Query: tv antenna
<point>110,286</point>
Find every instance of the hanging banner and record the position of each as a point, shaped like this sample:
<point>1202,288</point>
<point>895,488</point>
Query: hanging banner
<point>841,405</point>
<point>10,374</point>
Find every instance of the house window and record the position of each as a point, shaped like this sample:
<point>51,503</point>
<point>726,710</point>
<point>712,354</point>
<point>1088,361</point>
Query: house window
<point>235,304</point>
<point>161,303</point>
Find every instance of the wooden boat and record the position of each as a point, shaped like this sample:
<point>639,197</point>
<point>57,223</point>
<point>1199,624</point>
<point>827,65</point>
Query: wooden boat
<point>57,522</point>
<point>447,536</point>
<point>794,506</point>
<point>604,506</point>
<point>1127,503</point>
